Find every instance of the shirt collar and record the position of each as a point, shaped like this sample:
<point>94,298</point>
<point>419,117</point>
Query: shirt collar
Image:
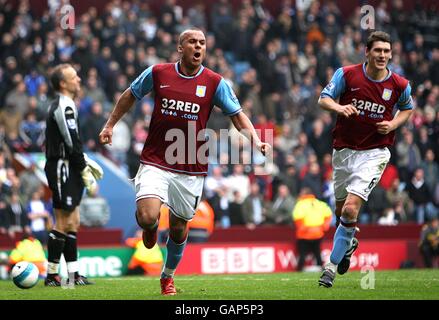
<point>187,77</point>
<point>367,76</point>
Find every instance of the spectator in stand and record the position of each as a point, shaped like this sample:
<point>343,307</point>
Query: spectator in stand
<point>235,210</point>
<point>94,210</point>
<point>389,176</point>
<point>222,22</point>
<point>399,199</point>
<point>33,108</point>
<point>302,151</point>
<point>18,219</point>
<point>214,181</point>
<point>32,133</point>
<point>408,156</point>
<point>16,106</point>
<point>283,204</point>
<point>12,183</point>
<point>29,182</point>
<point>220,204</point>
<point>429,243</point>
<point>313,180</point>
<point>286,140</point>
<point>94,91</point>
<point>238,181</point>
<point>40,218</point>
<point>254,208</point>
<point>33,80</point>
<point>320,139</point>
<point>421,196</point>
<point>431,170</point>
<point>423,142</point>
<point>83,56</point>
<point>196,15</point>
<point>92,126</point>
<point>264,127</point>
<point>290,177</point>
<point>121,144</point>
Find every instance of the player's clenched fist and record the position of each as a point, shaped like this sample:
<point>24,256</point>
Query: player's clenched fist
<point>384,127</point>
<point>348,110</point>
<point>264,148</point>
<point>105,137</point>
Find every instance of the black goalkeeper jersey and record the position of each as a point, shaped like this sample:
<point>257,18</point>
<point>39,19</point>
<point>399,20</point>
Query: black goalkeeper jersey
<point>62,133</point>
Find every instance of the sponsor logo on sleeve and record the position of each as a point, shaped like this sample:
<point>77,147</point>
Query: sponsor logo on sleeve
<point>330,86</point>
<point>71,123</point>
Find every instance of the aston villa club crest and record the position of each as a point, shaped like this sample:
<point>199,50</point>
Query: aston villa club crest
<point>387,94</point>
<point>201,91</point>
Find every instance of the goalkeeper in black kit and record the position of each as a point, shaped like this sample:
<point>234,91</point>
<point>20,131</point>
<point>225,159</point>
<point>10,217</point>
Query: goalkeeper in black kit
<point>68,171</point>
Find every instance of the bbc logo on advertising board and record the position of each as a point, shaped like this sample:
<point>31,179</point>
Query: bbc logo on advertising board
<point>237,260</point>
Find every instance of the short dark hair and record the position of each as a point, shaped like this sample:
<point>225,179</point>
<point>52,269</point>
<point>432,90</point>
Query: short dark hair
<point>378,36</point>
<point>182,35</point>
<point>57,75</point>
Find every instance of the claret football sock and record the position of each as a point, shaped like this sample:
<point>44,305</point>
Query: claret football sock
<point>342,239</point>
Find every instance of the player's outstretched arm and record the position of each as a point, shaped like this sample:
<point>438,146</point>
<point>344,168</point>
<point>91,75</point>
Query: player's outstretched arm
<point>243,124</point>
<point>123,105</point>
<point>329,104</point>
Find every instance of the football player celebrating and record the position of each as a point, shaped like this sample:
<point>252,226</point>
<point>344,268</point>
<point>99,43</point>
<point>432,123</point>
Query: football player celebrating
<point>364,130</point>
<point>184,94</point>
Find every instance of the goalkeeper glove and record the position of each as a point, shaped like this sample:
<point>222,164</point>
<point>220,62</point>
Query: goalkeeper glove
<point>95,168</point>
<point>89,181</point>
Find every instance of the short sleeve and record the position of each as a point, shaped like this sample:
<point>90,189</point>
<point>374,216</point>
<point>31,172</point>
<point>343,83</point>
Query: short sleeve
<point>143,84</point>
<point>336,86</point>
<point>405,101</point>
<point>226,99</point>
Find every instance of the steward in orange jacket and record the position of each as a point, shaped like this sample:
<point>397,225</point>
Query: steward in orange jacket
<point>148,261</point>
<point>312,219</point>
<point>200,227</point>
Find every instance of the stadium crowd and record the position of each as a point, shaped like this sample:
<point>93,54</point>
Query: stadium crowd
<point>277,61</point>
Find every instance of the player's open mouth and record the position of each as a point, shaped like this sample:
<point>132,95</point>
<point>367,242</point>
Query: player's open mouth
<point>197,55</point>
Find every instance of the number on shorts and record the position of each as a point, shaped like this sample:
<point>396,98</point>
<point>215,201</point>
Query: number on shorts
<point>372,183</point>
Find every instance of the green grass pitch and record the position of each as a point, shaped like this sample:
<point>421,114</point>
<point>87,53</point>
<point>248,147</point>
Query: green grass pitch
<point>401,284</point>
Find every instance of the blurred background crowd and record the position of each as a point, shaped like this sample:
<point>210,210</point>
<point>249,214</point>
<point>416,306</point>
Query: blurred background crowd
<point>277,60</point>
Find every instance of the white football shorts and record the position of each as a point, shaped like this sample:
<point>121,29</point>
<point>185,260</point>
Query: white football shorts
<point>181,192</point>
<point>358,171</point>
